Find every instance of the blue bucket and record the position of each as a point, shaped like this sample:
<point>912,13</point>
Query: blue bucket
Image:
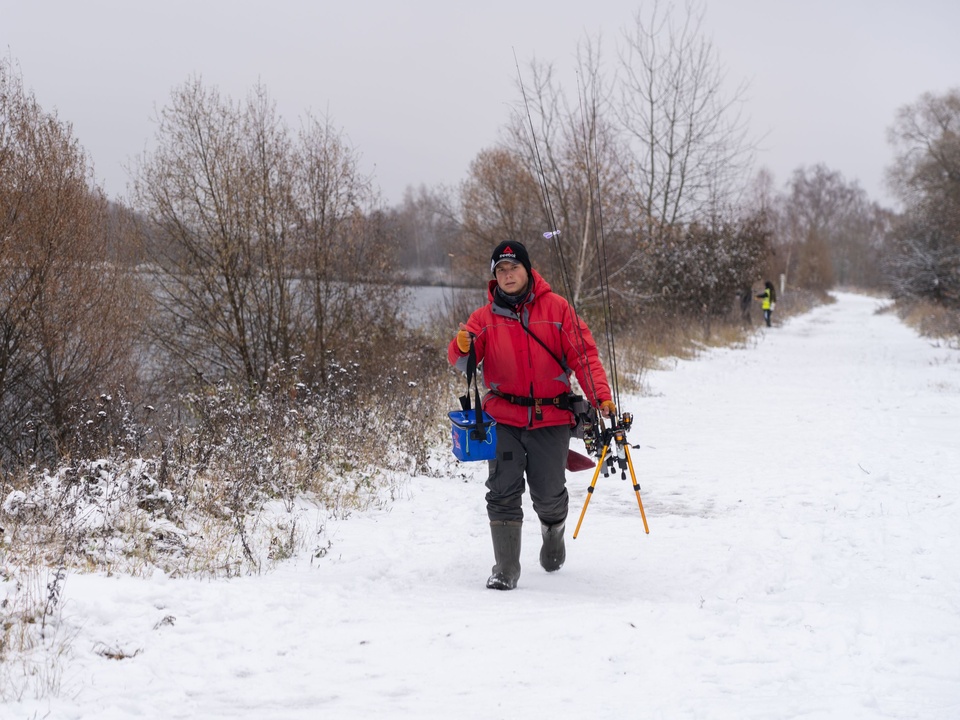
<point>467,442</point>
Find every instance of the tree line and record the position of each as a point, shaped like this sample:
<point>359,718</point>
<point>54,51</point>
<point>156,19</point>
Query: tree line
<point>256,260</point>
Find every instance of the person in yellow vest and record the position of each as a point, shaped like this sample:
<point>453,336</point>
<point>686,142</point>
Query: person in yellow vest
<point>769,299</point>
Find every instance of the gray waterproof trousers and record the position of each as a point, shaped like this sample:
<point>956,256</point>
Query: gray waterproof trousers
<point>542,455</point>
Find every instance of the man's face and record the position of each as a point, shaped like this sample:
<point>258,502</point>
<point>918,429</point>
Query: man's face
<point>511,277</point>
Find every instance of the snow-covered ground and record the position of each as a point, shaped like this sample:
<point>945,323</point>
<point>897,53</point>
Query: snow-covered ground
<point>802,562</point>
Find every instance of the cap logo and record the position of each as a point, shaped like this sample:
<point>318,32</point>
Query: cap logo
<point>507,253</point>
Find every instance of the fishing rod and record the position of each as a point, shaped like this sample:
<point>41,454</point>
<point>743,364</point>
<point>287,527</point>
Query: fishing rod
<point>609,443</point>
<point>554,234</point>
<point>613,439</point>
<point>596,215</point>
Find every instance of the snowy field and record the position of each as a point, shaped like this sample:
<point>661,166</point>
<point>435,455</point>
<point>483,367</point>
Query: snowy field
<point>802,562</point>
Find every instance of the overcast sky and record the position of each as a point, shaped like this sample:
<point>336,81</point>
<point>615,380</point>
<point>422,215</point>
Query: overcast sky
<point>419,87</point>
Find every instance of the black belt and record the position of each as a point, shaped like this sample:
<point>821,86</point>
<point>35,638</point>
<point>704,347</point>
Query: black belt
<point>563,402</point>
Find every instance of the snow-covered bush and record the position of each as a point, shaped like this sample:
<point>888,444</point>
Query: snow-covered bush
<point>222,491</point>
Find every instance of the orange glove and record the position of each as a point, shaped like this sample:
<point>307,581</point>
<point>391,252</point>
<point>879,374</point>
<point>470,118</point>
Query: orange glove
<point>608,408</point>
<point>463,341</point>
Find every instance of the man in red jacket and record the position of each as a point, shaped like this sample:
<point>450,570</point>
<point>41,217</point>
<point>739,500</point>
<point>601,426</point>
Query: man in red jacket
<point>530,342</point>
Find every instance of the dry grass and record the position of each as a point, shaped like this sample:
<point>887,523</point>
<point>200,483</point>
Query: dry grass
<point>33,638</point>
<point>657,339</point>
<point>930,319</point>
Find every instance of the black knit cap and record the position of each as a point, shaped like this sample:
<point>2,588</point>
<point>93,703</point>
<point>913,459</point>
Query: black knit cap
<point>513,251</point>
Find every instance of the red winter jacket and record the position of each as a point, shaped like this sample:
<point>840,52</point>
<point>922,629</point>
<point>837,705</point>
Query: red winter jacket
<point>516,364</point>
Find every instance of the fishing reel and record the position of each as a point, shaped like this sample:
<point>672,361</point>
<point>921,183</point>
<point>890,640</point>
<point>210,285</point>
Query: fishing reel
<point>619,427</point>
<point>595,436</point>
<point>585,425</point>
<point>614,440</point>
<point>592,438</point>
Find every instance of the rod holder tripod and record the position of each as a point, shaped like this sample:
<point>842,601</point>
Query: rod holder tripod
<point>615,453</point>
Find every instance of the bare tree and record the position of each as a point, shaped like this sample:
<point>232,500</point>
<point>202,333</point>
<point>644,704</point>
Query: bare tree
<point>829,231</point>
<point>268,258</point>
<point>500,200</point>
<point>926,139</point>
<point>68,317</point>
<point>556,169</point>
<point>690,141</point>
<point>639,167</point>
<point>215,190</point>
<point>573,150</point>
<point>426,229</point>
<point>348,295</point>
<point>926,177</point>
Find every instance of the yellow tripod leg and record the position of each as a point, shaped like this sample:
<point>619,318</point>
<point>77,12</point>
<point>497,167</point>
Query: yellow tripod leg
<point>636,489</point>
<point>593,484</point>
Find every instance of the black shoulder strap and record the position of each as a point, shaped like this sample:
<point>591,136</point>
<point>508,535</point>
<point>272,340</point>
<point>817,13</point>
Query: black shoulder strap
<point>479,426</point>
<point>471,380</point>
<point>561,363</point>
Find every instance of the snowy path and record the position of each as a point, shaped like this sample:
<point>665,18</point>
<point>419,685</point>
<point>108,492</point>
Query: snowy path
<point>802,495</point>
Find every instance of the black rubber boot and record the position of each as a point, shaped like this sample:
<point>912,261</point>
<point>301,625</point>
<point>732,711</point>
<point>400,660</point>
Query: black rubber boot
<point>506,551</point>
<point>553,552</point>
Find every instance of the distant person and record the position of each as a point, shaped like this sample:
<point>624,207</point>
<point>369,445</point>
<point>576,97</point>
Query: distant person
<point>746,300</point>
<point>530,342</point>
<point>769,298</point>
